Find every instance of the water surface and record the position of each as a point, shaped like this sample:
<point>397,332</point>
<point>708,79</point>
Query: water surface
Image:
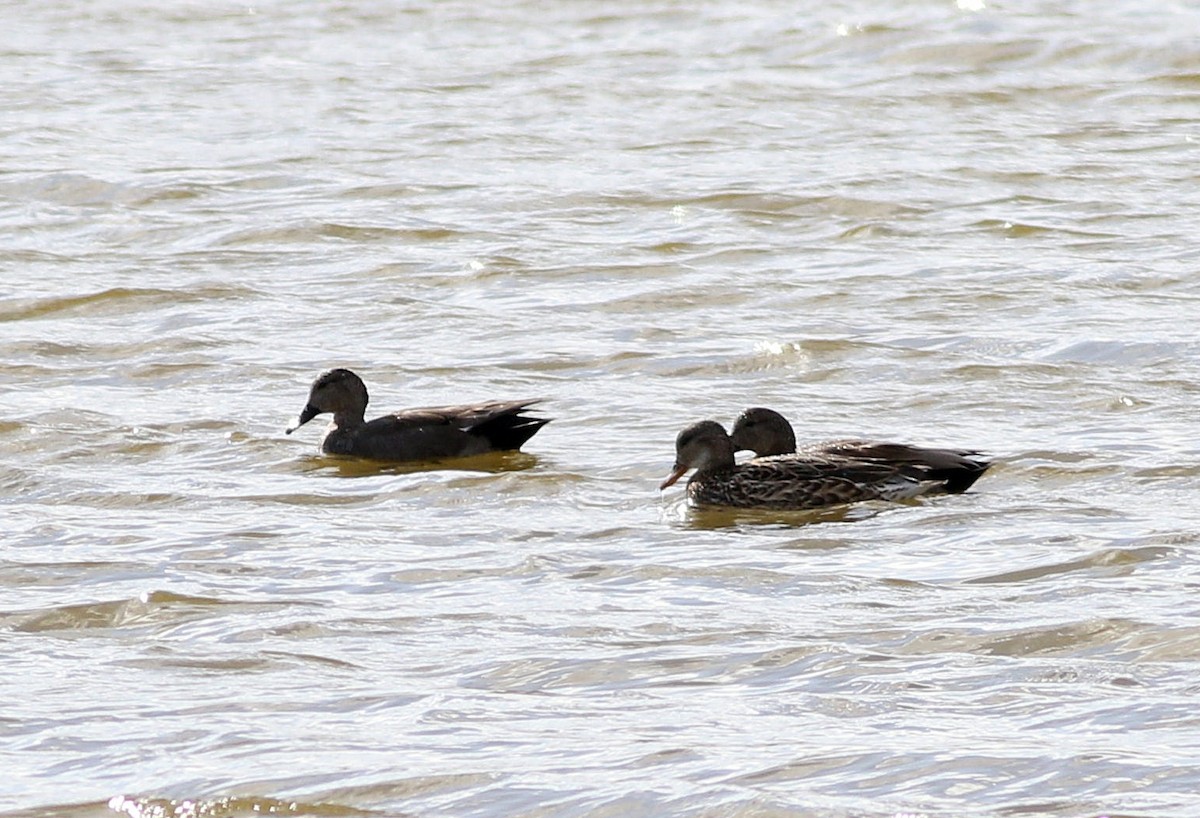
<point>969,224</point>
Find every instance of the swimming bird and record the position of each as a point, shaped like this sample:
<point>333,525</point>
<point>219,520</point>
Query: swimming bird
<point>789,482</point>
<point>429,433</point>
<point>766,433</point>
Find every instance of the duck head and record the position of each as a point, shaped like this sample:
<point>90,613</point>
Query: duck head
<point>339,391</point>
<point>703,446</point>
<point>764,432</point>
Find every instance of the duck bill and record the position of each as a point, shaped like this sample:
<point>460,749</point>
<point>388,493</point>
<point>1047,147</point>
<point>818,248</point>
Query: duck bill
<point>676,473</point>
<point>304,417</point>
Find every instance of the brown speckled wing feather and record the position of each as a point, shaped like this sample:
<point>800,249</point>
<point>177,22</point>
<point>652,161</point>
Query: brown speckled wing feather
<point>792,482</point>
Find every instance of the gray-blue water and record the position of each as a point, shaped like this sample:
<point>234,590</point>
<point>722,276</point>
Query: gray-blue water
<point>967,224</point>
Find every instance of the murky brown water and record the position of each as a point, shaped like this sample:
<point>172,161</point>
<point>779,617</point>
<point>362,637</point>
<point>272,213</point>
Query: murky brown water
<point>963,224</point>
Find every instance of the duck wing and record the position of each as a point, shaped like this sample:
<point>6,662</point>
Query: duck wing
<point>437,432</point>
<point>803,482</point>
<point>955,469</point>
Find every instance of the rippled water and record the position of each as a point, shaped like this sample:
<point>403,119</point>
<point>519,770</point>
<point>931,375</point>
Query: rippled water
<point>967,224</point>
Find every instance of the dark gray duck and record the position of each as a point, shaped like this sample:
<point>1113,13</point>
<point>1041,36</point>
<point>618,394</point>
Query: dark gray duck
<point>792,482</point>
<point>428,433</point>
<point>768,433</point>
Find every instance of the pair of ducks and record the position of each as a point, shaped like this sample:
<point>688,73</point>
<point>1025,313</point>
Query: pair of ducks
<point>779,477</point>
<point>831,473</point>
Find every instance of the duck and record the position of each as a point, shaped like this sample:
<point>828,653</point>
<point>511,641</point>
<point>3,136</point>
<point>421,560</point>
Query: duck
<point>768,433</point>
<point>428,433</point>
<point>790,482</point>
